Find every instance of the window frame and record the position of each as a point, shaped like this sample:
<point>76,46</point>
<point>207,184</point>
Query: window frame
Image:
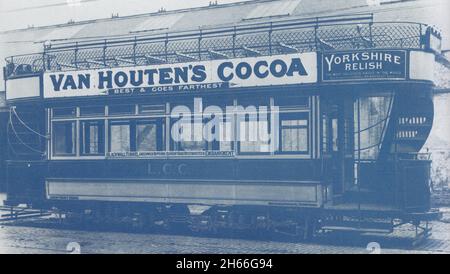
<point>133,127</point>
<point>175,146</point>
<point>101,141</point>
<point>71,116</point>
<point>295,116</point>
<point>119,122</point>
<point>98,116</point>
<point>74,139</point>
<point>160,134</point>
<point>257,102</point>
<point>164,122</point>
<point>133,108</point>
<point>239,142</point>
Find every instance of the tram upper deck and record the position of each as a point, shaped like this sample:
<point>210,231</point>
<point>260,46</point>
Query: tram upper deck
<point>275,37</point>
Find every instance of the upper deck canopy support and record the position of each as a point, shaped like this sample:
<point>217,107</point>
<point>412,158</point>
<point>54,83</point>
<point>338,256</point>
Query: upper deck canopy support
<point>185,57</point>
<point>124,60</point>
<point>96,62</point>
<point>154,59</point>
<point>324,45</point>
<point>361,40</point>
<point>218,55</point>
<point>251,52</point>
<point>66,65</point>
<point>288,49</point>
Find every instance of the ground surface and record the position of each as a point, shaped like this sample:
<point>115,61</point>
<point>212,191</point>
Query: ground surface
<point>48,236</point>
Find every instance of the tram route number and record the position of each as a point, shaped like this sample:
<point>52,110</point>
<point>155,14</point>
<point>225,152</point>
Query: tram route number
<point>224,264</point>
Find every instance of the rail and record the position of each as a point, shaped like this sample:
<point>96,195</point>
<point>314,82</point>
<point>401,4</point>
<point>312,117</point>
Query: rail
<point>244,40</point>
<point>10,213</point>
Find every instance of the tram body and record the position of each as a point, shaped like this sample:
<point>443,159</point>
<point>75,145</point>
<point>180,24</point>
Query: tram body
<point>346,126</point>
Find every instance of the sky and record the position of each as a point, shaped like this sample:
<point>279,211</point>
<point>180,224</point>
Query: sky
<point>49,12</point>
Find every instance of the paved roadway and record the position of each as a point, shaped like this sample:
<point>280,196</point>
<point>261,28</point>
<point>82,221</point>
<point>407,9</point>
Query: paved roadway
<point>46,236</point>
<point>31,239</point>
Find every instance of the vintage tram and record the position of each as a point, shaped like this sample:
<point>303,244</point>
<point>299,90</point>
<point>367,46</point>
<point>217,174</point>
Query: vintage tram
<point>117,127</point>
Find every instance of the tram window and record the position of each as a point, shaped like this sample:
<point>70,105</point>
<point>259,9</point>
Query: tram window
<point>190,146</point>
<point>254,135</point>
<point>122,110</point>
<point>152,109</point>
<point>92,137</point>
<point>64,138</point>
<point>348,135</point>
<point>191,137</point>
<point>119,136</point>
<point>64,112</point>
<point>218,124</point>
<point>325,143</point>
<point>253,126</point>
<point>374,112</point>
<point>211,131</point>
<point>146,136</point>
<point>335,134</point>
<point>292,102</point>
<point>225,133</point>
<point>294,133</point>
<point>92,111</point>
<point>219,134</point>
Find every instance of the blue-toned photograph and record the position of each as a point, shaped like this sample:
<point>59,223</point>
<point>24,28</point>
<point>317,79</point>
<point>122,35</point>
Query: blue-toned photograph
<point>225,127</point>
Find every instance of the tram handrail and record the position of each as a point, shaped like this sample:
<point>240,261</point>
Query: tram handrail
<point>269,38</point>
<point>253,27</point>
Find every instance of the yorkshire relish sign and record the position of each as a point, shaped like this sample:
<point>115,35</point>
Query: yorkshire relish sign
<point>364,65</point>
<point>298,68</point>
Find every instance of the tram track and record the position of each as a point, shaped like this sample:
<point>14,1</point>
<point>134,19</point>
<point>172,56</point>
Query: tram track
<point>50,237</point>
<point>8,214</point>
<point>398,240</point>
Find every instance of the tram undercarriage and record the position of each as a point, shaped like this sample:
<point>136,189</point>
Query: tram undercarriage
<point>298,224</point>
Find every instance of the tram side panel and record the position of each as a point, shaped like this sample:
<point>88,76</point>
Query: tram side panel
<point>26,166</point>
<point>211,182</point>
<point>25,183</point>
<point>263,180</point>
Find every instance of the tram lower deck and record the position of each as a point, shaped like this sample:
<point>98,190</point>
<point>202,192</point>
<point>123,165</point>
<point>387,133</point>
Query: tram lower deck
<point>308,150</point>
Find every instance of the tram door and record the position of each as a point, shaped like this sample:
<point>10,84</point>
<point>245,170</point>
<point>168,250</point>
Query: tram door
<point>338,143</point>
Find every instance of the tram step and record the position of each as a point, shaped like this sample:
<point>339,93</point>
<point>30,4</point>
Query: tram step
<point>20,213</point>
<point>356,229</point>
<point>355,226</point>
<point>24,217</point>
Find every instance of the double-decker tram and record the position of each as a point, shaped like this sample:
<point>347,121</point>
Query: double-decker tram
<point>294,125</point>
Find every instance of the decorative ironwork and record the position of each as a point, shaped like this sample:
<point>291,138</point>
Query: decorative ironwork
<point>295,35</point>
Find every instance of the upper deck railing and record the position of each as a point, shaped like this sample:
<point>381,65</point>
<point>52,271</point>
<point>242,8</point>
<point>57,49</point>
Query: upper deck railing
<point>245,40</point>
